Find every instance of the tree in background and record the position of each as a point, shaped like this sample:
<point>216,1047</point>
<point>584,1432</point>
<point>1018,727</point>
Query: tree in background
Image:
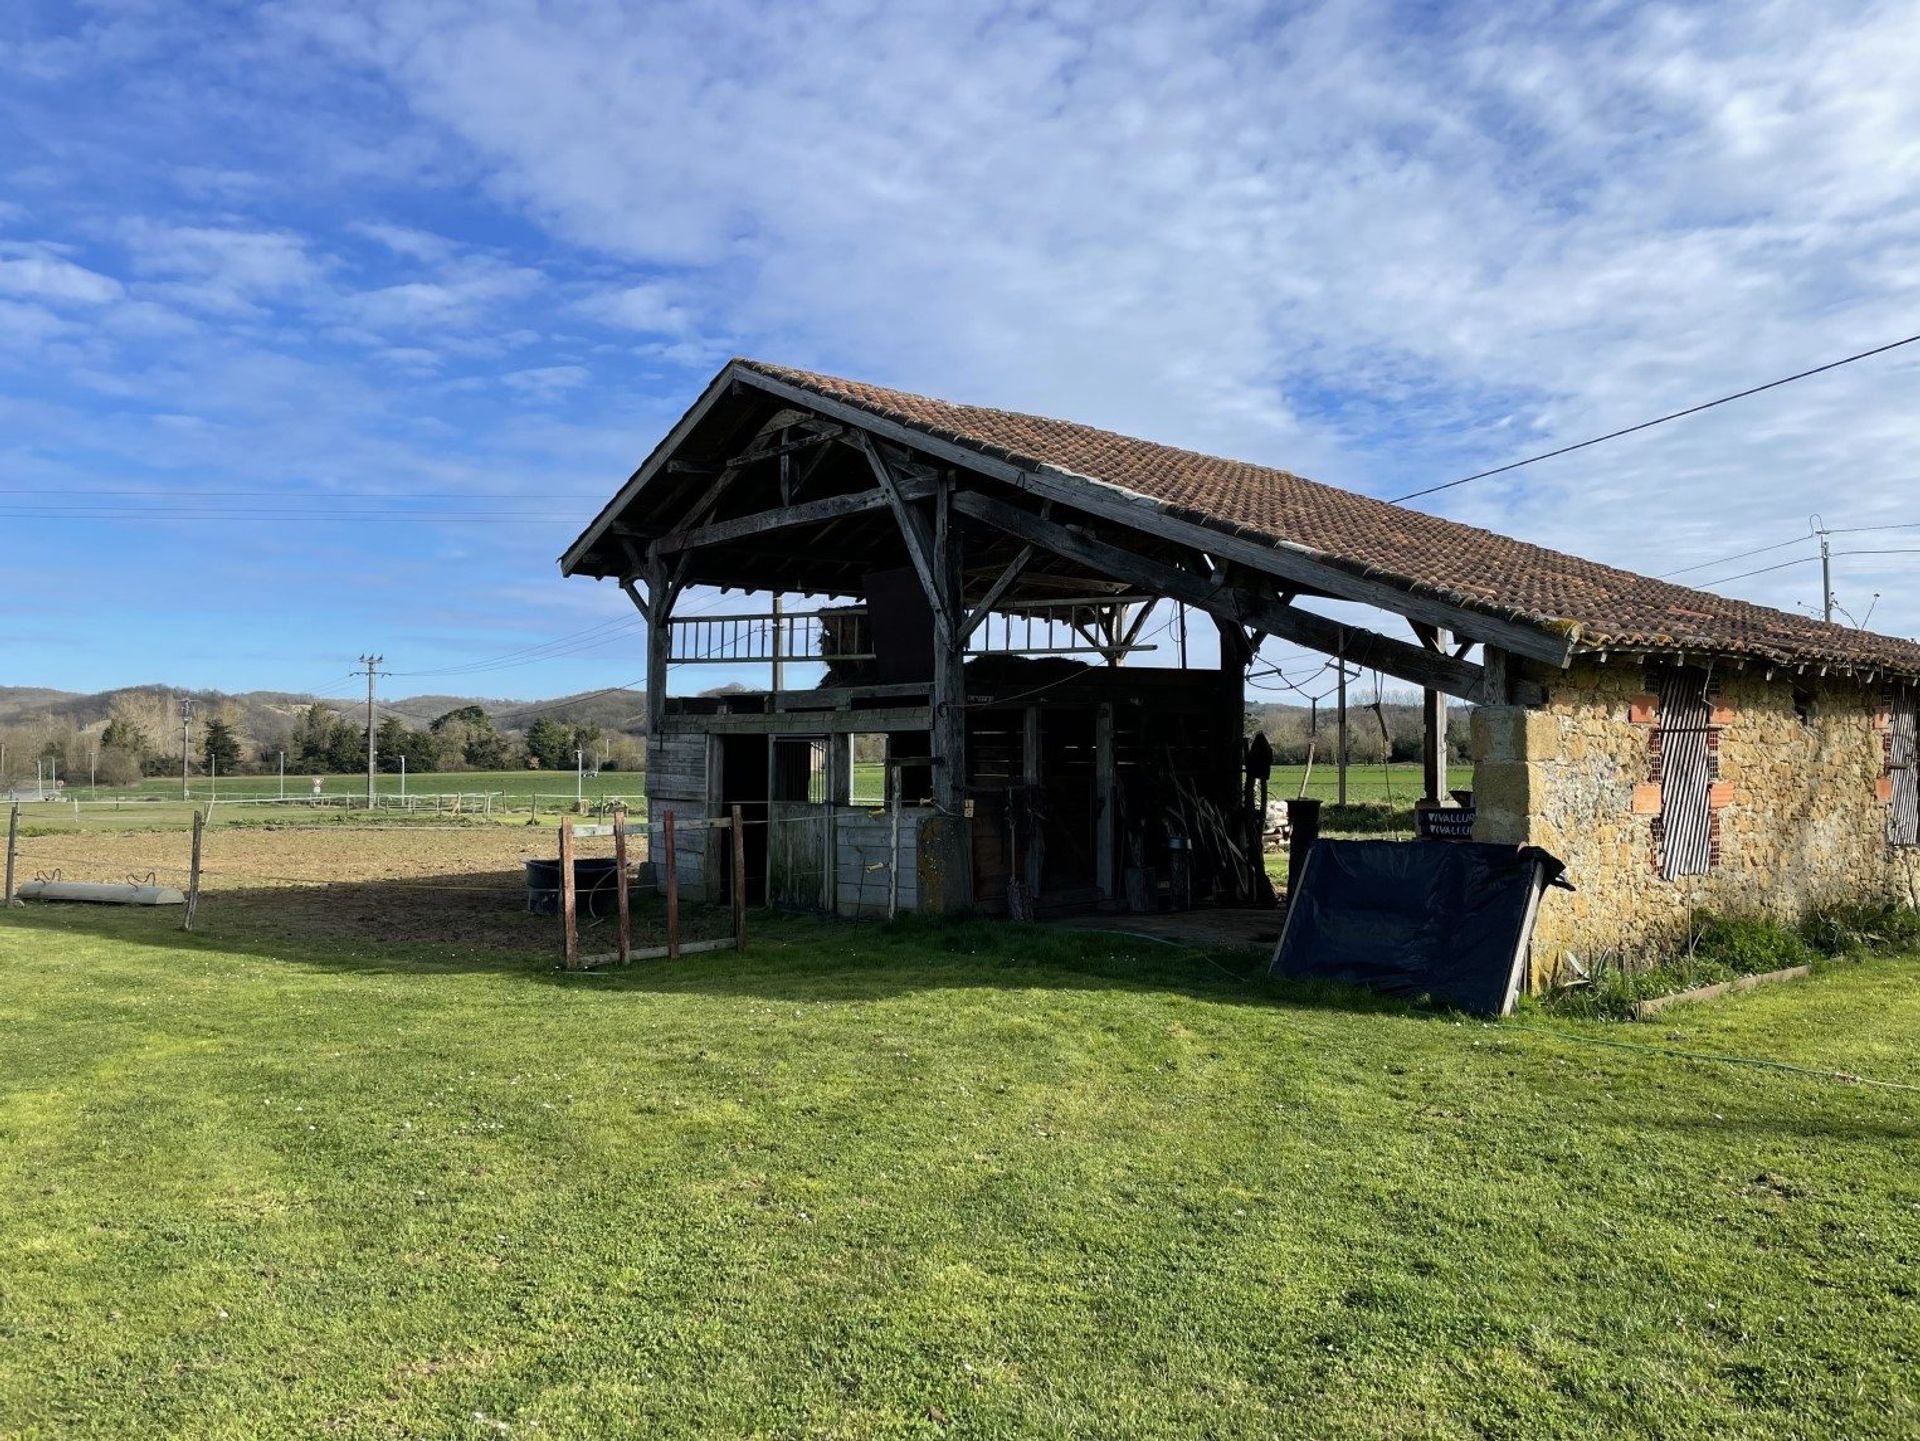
<point>467,737</point>
<point>123,734</point>
<point>221,748</point>
<point>346,750</point>
<point>311,741</point>
<point>550,744</point>
<point>395,740</point>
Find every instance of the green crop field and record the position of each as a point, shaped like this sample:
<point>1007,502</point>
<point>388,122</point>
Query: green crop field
<point>921,1180</point>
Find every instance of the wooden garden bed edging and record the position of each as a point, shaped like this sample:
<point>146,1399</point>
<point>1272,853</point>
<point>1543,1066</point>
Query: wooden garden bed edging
<point>1646,1010</point>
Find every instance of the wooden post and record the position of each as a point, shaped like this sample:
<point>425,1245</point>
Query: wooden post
<point>1103,784</point>
<point>1340,732</point>
<point>13,844</point>
<point>950,709</point>
<point>1433,727</point>
<point>620,887</point>
<point>193,876</point>
<point>739,882</point>
<point>672,885</point>
<point>569,931</point>
<point>893,855</point>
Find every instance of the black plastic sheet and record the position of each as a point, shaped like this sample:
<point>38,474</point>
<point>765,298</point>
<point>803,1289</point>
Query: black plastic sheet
<point>1445,919</point>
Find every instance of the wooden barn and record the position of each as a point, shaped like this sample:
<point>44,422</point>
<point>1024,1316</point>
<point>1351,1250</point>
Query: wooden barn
<point>977,580</point>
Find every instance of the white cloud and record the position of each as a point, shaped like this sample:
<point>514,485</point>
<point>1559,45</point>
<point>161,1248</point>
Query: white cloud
<point>404,240</point>
<point>1382,254</point>
<point>646,307</point>
<point>224,270</point>
<point>54,280</point>
<point>546,381</point>
<point>462,293</point>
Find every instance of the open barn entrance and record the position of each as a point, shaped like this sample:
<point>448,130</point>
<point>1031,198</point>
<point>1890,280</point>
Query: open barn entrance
<point>743,782</point>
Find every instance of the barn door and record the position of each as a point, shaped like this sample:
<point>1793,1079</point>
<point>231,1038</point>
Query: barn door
<point>799,829</point>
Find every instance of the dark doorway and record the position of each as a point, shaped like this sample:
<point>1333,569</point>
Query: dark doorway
<point>743,782</point>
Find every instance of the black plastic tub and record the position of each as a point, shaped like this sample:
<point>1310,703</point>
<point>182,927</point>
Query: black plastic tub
<point>595,886</point>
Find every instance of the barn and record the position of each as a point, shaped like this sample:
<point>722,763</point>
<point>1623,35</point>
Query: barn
<point>978,579</point>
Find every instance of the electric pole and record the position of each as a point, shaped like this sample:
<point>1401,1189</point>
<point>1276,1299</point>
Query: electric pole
<point>370,662</point>
<point>186,743</point>
<point>1826,580</point>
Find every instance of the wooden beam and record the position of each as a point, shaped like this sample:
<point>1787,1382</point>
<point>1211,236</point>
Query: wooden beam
<point>1360,646</point>
<point>819,722</point>
<point>1307,568</point>
<point>914,531</point>
<point>978,614</point>
<point>811,512</point>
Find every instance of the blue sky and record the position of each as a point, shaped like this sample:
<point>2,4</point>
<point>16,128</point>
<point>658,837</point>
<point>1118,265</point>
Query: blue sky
<point>294,270</point>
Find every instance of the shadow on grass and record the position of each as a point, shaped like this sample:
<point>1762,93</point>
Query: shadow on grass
<point>441,925</point>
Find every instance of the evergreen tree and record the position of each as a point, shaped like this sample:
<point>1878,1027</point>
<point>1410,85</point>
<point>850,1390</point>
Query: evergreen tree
<point>221,748</point>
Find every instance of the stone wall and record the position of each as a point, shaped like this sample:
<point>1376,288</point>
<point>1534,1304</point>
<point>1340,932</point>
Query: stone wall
<point>1799,805</point>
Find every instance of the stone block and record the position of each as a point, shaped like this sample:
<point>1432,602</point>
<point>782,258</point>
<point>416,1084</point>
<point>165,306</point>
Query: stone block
<point>1513,733</point>
<point>1515,788</point>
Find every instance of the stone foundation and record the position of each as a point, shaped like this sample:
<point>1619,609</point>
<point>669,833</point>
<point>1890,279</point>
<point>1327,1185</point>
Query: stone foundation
<point>1799,807</point>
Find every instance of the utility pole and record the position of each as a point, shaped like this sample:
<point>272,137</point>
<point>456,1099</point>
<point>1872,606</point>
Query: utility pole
<point>370,662</point>
<point>186,743</point>
<point>779,642</point>
<point>1826,580</point>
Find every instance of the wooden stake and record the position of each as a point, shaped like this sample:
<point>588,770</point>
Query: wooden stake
<point>13,844</point>
<point>193,876</point>
<point>620,887</point>
<point>570,935</point>
<point>739,882</point>
<point>673,888</point>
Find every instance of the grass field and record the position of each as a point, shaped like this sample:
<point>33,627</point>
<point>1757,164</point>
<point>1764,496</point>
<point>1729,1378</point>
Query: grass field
<point>290,1178</point>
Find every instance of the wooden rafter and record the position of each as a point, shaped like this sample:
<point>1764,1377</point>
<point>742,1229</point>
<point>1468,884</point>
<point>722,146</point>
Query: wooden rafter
<point>1231,603</point>
<point>1294,565</point>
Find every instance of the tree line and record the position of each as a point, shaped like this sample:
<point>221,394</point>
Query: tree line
<point>142,737</point>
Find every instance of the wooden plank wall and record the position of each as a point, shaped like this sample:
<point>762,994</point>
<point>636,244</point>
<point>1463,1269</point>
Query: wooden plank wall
<point>677,783</point>
<point>862,851</point>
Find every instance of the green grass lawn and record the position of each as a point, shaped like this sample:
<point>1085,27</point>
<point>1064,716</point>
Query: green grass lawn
<point>971,1181</point>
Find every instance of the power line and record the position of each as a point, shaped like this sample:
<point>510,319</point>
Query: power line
<point>1737,555</point>
<point>1659,420</point>
<point>1763,570</point>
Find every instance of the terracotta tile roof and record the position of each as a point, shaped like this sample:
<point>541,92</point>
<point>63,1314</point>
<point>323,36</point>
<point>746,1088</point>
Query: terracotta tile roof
<point>1477,569</point>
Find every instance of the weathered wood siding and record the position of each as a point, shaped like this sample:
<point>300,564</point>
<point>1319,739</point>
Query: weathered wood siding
<point>677,784</point>
<point>863,855</point>
<point>798,846</point>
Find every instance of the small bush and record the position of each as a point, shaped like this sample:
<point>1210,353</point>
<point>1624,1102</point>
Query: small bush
<point>1858,926</point>
<point>1723,948</point>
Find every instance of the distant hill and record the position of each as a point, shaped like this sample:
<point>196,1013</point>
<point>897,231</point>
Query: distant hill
<point>263,715</point>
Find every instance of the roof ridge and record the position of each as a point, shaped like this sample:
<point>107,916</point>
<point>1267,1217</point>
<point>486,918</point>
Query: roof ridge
<point>1612,607</point>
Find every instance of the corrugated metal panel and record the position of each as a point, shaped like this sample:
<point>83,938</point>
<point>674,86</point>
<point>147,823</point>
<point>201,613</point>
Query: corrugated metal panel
<point>1903,764</point>
<point>1686,774</point>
